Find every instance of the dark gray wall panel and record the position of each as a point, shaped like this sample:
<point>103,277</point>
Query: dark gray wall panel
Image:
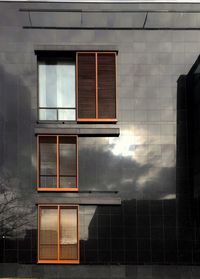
<point>173,20</point>
<point>85,19</point>
<point>55,19</point>
<point>147,164</point>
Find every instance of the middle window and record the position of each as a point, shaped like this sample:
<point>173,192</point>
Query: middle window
<point>57,163</point>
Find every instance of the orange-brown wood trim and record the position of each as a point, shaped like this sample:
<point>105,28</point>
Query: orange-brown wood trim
<point>54,135</point>
<point>58,189</point>
<point>59,232</point>
<point>41,189</point>
<point>58,261</point>
<point>57,162</point>
<point>77,168</point>
<point>38,238</point>
<point>96,74</point>
<point>72,206</point>
<point>38,162</point>
<point>96,120</point>
<point>101,52</point>
<point>76,84</point>
<point>116,90</point>
<point>38,159</point>
<point>78,233</point>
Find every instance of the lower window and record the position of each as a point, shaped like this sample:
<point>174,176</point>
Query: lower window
<point>58,240</point>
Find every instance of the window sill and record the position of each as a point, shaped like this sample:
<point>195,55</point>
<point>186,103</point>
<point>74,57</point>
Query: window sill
<point>56,121</point>
<point>57,189</point>
<point>95,120</point>
<point>58,261</point>
<point>79,120</point>
<point>80,131</point>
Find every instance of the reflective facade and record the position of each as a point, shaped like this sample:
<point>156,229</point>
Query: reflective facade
<point>152,167</point>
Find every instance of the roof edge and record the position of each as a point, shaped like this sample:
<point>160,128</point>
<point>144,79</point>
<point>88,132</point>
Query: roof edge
<point>110,1</point>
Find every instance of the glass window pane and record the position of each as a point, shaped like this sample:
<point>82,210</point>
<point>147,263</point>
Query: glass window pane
<point>66,84</point>
<point>67,162</point>
<point>51,81</point>
<point>48,114</point>
<point>47,85</point>
<point>48,169</point>
<point>48,233</point>
<point>57,89</point>
<point>68,182</point>
<point>68,234</point>
<point>49,181</point>
<point>42,85</point>
<point>66,114</point>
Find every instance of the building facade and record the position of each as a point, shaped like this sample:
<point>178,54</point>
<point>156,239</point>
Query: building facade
<point>99,141</point>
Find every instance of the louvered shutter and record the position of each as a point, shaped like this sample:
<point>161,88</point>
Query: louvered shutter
<point>96,86</point>
<point>106,86</point>
<point>86,85</point>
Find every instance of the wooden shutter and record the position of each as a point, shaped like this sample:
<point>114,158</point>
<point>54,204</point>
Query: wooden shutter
<point>96,86</point>
<point>86,85</point>
<point>58,234</point>
<point>106,86</point>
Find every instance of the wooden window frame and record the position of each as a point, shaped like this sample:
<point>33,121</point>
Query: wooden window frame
<point>58,261</point>
<point>79,120</point>
<point>111,120</point>
<point>56,189</point>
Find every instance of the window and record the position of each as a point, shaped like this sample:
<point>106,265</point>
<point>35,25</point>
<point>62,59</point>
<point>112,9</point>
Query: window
<point>96,86</point>
<point>57,163</point>
<point>79,87</point>
<point>58,240</point>
<point>57,90</point>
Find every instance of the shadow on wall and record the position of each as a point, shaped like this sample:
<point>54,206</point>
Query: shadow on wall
<point>17,133</point>
<point>190,182</point>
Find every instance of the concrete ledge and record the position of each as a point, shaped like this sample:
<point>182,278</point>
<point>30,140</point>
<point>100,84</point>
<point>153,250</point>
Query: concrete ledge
<point>93,200</point>
<point>79,131</point>
<point>14,270</point>
<point>77,47</point>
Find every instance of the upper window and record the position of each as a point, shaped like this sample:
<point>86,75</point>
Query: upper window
<point>58,240</point>
<point>96,86</point>
<point>57,163</point>
<point>78,88</point>
<point>57,90</point>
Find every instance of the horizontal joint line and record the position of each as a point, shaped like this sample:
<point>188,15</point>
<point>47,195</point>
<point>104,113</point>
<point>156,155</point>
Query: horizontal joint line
<point>110,28</point>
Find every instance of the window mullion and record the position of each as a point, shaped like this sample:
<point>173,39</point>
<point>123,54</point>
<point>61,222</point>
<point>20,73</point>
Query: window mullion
<point>38,162</point>
<point>76,161</point>
<point>39,220</point>
<point>58,232</point>
<point>78,242</point>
